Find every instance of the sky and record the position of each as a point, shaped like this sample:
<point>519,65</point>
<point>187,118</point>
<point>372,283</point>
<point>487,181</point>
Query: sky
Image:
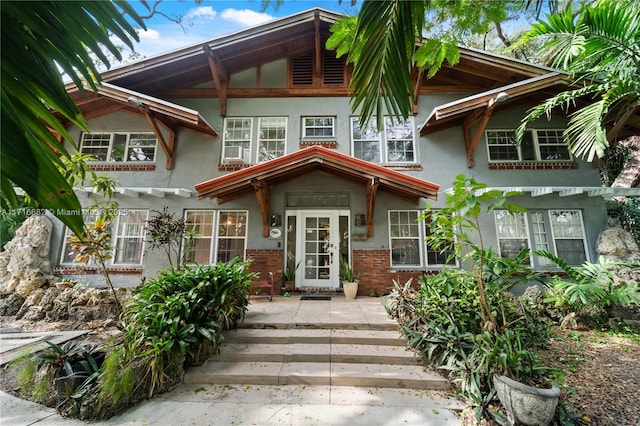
<point>208,19</point>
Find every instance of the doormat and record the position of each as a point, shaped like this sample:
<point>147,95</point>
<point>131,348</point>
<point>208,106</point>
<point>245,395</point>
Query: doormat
<point>316,297</point>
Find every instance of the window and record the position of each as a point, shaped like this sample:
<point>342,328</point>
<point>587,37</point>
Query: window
<point>536,145</point>
<point>272,138</point>
<point>237,139</point>
<point>209,247</point>
<point>127,231</point>
<point>513,236</point>
<point>119,147</point>
<point>318,127</point>
<point>560,232</point>
<point>407,241</point>
<point>394,145</point>
<point>129,238</point>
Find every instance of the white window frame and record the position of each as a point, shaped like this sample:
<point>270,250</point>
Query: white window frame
<point>243,142</point>
<point>123,225</point>
<point>542,235</point>
<point>383,140</point>
<point>420,242</point>
<point>306,127</point>
<point>108,140</point>
<point>268,141</point>
<point>511,234</point>
<point>216,228</point>
<point>501,135</point>
<point>116,236</point>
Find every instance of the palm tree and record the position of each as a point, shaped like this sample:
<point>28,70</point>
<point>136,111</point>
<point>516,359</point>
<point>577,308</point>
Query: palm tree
<point>600,47</point>
<point>40,41</point>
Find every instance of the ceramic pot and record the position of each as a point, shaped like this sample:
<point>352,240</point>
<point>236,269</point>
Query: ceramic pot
<point>350,290</point>
<point>525,404</point>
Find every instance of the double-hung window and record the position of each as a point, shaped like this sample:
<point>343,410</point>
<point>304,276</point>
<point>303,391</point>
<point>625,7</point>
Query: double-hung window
<point>236,146</point>
<point>407,241</point>
<point>560,232</point>
<point>318,127</point>
<point>127,231</point>
<point>536,145</point>
<point>218,236</point>
<point>395,144</point>
<point>119,147</point>
<point>272,138</point>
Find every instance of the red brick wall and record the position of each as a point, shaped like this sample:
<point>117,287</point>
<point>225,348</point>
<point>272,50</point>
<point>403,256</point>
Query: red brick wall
<point>375,272</point>
<point>264,261</point>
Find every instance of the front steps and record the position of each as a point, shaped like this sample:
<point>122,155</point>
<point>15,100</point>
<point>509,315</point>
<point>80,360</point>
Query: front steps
<point>334,355</point>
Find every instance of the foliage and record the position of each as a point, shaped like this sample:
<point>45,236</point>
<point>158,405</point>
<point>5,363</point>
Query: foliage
<point>456,228</point>
<point>167,231</point>
<point>347,273</point>
<point>12,219</point>
<point>600,48</point>
<point>591,284</point>
<point>39,40</point>
<point>289,274</point>
<point>171,313</point>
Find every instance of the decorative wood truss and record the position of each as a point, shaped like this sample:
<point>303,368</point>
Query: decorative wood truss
<point>260,178</point>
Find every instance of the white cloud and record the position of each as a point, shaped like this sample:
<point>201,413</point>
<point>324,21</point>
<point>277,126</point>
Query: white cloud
<point>203,12</point>
<point>245,17</point>
<point>148,34</point>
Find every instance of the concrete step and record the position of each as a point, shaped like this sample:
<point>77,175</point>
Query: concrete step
<point>284,336</point>
<point>310,325</point>
<point>316,352</point>
<point>316,373</point>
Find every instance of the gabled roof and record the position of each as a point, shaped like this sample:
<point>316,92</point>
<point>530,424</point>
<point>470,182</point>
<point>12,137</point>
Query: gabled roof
<point>316,158</point>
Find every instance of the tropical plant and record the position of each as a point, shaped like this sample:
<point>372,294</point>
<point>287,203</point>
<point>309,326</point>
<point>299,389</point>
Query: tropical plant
<point>166,231</point>
<point>600,47</point>
<point>590,284</point>
<point>289,274</point>
<point>347,274</point>
<point>41,40</point>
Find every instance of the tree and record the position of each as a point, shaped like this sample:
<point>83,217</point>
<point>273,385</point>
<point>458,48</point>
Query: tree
<point>41,41</point>
<point>381,44</point>
<point>600,48</point>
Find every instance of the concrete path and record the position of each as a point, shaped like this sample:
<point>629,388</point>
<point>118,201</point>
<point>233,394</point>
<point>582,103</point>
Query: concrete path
<point>209,404</point>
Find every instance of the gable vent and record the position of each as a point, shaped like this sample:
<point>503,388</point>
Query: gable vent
<point>333,74</point>
<point>302,69</point>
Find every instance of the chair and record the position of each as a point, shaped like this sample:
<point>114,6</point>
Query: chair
<point>263,284</point>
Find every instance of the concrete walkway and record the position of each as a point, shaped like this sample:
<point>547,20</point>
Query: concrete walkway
<point>197,404</point>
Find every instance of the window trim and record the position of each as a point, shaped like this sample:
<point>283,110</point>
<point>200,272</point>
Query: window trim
<point>259,140</point>
<point>304,127</point>
<point>215,233</point>
<point>585,247</point>
<point>112,137</point>
<point>536,147</point>
<point>527,225</point>
<point>383,151</point>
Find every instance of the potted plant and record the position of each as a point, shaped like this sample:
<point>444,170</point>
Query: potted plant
<point>289,275</point>
<point>349,280</point>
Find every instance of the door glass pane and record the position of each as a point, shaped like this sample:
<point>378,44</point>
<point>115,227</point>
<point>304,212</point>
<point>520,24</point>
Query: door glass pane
<point>317,245</point>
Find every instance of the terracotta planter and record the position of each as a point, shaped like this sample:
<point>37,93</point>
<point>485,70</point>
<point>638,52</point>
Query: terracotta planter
<point>350,290</point>
<point>526,404</point>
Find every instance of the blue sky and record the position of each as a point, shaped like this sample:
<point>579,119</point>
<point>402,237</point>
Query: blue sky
<point>211,18</point>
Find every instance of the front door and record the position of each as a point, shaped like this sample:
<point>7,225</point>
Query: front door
<point>319,255</point>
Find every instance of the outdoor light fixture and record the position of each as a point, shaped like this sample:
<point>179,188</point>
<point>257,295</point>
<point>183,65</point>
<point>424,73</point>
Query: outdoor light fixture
<point>137,102</point>
<point>502,96</point>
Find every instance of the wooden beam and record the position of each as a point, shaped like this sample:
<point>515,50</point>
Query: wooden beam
<point>615,130</point>
<point>166,147</point>
<point>317,66</point>
<point>372,190</point>
<point>480,115</point>
<point>264,202</point>
<point>220,77</point>
<point>416,91</point>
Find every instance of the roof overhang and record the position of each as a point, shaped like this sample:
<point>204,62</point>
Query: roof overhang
<point>606,192</point>
<point>261,177</point>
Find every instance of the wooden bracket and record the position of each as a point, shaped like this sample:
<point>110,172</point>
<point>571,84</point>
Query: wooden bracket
<point>481,116</point>
<point>416,91</point>
<point>220,77</point>
<point>263,194</point>
<point>168,148</point>
<point>372,190</point>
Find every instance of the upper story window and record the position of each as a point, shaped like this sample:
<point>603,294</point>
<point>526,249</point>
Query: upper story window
<point>560,232</point>
<point>537,145</point>
<point>407,241</point>
<point>272,138</point>
<point>119,147</point>
<point>395,144</point>
<point>239,138</point>
<point>220,236</point>
<point>318,127</point>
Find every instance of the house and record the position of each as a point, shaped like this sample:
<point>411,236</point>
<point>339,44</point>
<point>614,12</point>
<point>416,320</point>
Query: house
<point>251,138</point>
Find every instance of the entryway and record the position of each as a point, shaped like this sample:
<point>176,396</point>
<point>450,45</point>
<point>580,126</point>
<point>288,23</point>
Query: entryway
<point>316,240</point>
